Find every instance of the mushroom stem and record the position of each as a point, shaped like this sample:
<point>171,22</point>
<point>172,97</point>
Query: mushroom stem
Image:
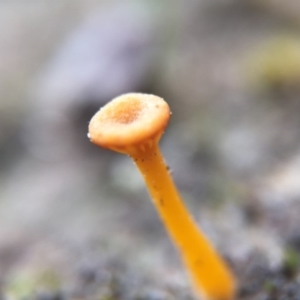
<point>143,119</point>
<point>209,274</point>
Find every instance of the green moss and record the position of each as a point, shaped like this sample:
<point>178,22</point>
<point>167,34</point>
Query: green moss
<point>269,287</point>
<point>49,280</point>
<point>24,286</point>
<point>291,262</point>
<point>21,287</point>
<point>277,63</point>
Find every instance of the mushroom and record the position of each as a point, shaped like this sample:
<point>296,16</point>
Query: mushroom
<point>132,124</point>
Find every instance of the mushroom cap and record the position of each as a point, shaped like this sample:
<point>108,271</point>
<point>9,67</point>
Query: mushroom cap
<point>129,121</point>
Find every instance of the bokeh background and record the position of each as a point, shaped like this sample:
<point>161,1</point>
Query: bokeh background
<point>76,221</point>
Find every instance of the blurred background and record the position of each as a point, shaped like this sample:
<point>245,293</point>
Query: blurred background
<point>76,221</point>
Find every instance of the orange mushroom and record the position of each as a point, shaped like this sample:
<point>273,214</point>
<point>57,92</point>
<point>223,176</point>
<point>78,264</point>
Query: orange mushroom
<point>133,124</point>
